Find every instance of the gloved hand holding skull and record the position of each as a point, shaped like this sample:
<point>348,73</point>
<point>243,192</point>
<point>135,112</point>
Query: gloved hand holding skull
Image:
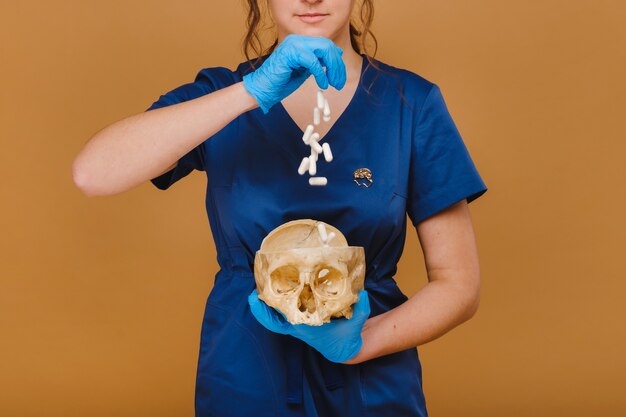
<point>308,273</point>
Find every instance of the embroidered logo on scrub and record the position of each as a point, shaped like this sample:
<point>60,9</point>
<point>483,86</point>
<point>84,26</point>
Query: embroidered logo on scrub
<point>363,177</point>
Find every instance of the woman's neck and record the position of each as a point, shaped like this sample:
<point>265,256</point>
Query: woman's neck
<point>350,57</point>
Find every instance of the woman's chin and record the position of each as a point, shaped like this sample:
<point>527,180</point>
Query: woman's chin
<point>309,30</point>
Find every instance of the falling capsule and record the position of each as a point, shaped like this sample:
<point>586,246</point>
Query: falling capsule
<point>316,146</point>
<point>320,100</point>
<point>313,166</point>
<point>316,116</point>
<point>319,181</point>
<point>326,108</point>
<point>304,166</point>
<point>328,155</point>
<point>307,134</point>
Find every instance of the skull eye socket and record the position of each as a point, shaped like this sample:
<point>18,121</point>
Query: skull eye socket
<point>285,279</point>
<point>328,281</point>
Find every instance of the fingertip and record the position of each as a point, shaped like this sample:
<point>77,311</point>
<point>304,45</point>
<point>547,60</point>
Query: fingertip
<point>338,85</point>
<point>321,77</point>
<point>322,82</point>
<point>326,81</point>
<point>253,296</point>
<point>254,308</point>
<point>340,74</point>
<point>364,299</point>
<point>336,80</point>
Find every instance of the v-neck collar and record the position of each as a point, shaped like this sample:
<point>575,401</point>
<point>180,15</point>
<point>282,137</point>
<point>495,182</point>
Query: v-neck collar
<point>354,98</point>
<point>282,132</point>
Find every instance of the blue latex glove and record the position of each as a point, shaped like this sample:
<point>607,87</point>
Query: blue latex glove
<point>338,340</point>
<point>291,63</point>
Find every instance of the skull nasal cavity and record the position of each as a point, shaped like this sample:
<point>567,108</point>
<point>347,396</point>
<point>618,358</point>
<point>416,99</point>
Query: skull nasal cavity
<point>306,302</point>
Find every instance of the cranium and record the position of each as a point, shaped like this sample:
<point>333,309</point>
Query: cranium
<point>307,273</point>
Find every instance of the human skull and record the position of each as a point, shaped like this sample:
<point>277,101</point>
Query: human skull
<point>307,271</point>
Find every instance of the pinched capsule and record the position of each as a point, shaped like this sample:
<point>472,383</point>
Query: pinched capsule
<point>320,100</point>
<point>316,116</point>
<point>313,155</point>
<point>319,181</point>
<point>304,166</point>
<point>328,155</point>
<point>307,134</point>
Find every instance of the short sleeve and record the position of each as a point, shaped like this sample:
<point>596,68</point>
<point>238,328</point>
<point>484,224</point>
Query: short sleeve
<point>195,158</point>
<point>442,172</point>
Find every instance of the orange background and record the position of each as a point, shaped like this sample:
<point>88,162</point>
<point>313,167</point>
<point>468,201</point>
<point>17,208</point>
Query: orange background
<point>101,299</point>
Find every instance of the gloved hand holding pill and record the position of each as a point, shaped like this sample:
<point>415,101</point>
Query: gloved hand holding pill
<point>294,60</point>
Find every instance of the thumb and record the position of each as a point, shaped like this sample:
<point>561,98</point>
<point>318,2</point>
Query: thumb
<point>362,307</point>
<point>265,315</point>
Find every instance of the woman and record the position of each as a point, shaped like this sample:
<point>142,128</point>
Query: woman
<point>243,127</point>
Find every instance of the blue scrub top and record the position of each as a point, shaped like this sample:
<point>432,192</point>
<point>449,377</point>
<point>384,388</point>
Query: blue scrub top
<point>398,126</point>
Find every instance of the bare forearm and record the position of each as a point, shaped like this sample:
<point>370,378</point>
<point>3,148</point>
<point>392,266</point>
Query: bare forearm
<point>140,147</point>
<point>433,311</point>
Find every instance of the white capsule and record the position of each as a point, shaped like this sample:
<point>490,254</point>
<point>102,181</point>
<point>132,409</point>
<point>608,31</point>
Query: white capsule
<point>312,166</point>
<point>304,166</point>
<point>322,229</point>
<point>307,134</point>
<point>315,137</point>
<point>316,116</point>
<point>316,146</point>
<point>326,118</point>
<point>328,155</point>
<point>320,100</point>
<point>331,235</point>
<point>313,155</point>
<point>319,181</point>
<point>326,108</point>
